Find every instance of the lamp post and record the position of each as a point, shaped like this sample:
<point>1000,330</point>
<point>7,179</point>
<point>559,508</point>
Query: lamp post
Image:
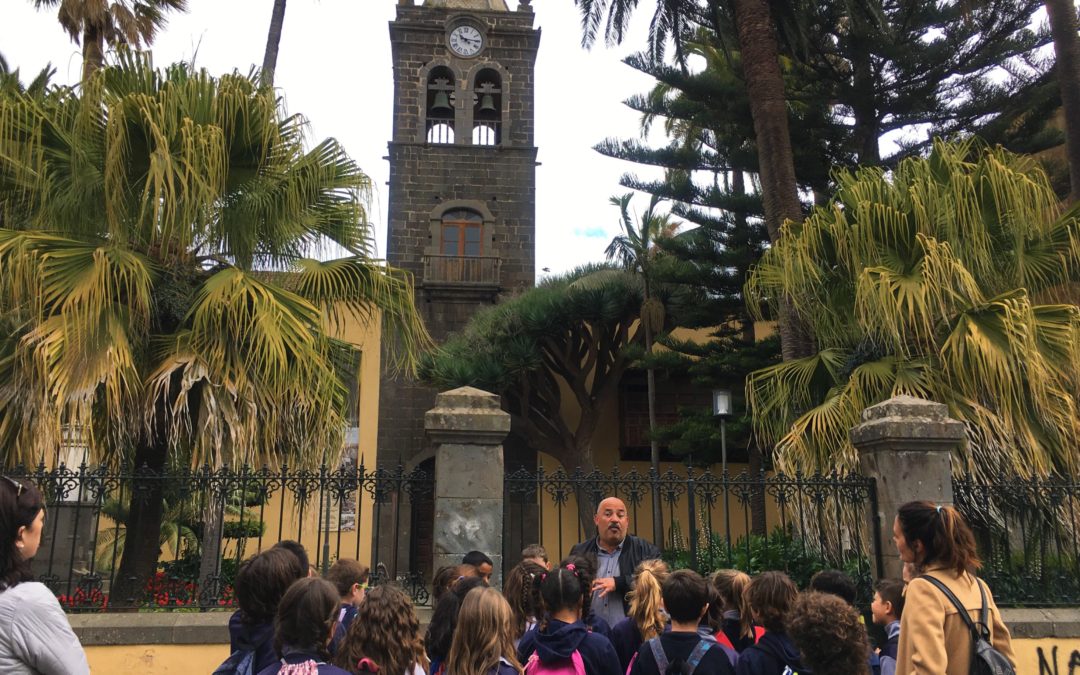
<point>721,407</point>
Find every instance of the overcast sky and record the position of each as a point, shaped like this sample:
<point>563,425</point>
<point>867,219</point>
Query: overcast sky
<point>334,68</point>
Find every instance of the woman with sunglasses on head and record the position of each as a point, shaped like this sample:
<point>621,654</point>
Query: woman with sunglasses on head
<point>35,636</point>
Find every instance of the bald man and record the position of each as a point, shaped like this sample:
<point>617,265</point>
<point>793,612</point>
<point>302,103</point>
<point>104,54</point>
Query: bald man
<point>616,554</point>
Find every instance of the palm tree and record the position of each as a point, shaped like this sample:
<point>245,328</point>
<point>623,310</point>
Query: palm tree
<point>635,251</point>
<point>759,50</point>
<point>1062,15</point>
<point>273,41</point>
<point>96,23</point>
<point>155,284</point>
<point>938,281</point>
<point>10,82</point>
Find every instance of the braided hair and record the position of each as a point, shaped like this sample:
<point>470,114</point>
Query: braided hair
<point>564,588</point>
<point>521,592</point>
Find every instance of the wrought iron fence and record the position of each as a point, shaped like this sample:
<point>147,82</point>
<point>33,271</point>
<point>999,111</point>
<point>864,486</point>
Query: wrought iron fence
<point>236,512</point>
<point>1026,531</point>
<point>799,524</point>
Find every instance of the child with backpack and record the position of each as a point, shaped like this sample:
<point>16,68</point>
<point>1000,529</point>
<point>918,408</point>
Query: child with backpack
<point>886,610</point>
<point>483,641</point>
<point>385,637</point>
<point>350,578</point>
<point>737,629</point>
<point>682,651</point>
<point>770,597</point>
<point>647,619</point>
<point>260,585</point>
<point>829,634</point>
<point>563,644</point>
<point>302,629</point>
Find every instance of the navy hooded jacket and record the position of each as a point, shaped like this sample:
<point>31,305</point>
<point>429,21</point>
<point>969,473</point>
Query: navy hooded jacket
<point>679,647</point>
<point>559,640</point>
<point>770,656</point>
<point>257,637</point>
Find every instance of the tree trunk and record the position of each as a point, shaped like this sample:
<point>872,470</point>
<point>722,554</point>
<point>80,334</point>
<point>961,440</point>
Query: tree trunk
<point>210,551</point>
<point>1063,27</point>
<point>768,107</point>
<point>93,51</point>
<point>273,41</point>
<point>654,445</point>
<point>143,541</point>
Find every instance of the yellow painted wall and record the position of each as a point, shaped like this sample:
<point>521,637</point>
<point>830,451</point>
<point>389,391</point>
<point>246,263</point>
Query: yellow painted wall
<point>1049,656</point>
<point>156,659</point>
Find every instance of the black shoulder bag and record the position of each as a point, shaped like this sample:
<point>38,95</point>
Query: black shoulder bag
<point>985,660</point>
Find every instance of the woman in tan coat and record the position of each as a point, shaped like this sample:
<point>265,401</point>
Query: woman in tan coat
<point>934,640</point>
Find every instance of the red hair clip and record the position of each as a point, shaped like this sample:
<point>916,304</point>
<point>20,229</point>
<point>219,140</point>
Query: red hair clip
<point>367,665</point>
<point>570,568</point>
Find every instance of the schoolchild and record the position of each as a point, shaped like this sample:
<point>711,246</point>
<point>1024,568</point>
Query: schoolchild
<point>829,634</point>
<point>520,591</point>
<point>537,554</point>
<point>562,640</point>
<point>260,584</point>
<point>682,650</point>
<point>586,568</point>
<point>350,578</point>
<point>483,641</point>
<point>440,630</point>
<point>385,637</point>
<point>836,582</point>
<point>737,626</point>
<point>886,610</point>
<point>771,596</point>
<point>647,618</point>
<point>302,629</point>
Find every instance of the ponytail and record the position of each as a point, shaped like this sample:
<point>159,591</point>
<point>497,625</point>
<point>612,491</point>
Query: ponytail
<point>945,537</point>
<point>732,586</point>
<point>565,587</point>
<point>646,598</point>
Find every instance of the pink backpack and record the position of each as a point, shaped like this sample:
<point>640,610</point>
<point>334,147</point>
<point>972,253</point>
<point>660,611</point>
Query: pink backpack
<point>572,666</point>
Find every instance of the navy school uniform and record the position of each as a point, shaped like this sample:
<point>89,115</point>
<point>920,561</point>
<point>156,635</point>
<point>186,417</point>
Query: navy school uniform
<point>257,637</point>
<point>773,653</point>
<point>293,657</point>
<point>678,647</point>
<point>559,640</point>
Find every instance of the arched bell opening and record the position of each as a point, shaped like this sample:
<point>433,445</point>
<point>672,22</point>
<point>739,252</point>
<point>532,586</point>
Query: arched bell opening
<point>487,108</point>
<point>441,98</point>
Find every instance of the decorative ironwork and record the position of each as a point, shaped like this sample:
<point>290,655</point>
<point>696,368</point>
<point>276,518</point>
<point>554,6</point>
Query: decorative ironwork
<point>248,509</point>
<point>1026,532</point>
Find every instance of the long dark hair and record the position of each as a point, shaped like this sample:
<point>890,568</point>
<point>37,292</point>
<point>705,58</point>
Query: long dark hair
<point>262,582</point>
<point>565,587</point>
<point>946,538</point>
<point>440,630</point>
<point>20,504</point>
<point>520,591</point>
<point>305,616</point>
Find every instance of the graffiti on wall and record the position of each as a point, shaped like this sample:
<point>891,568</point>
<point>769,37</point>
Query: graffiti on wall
<point>1053,662</point>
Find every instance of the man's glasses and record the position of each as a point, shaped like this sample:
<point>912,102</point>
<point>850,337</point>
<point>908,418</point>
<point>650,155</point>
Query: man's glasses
<point>16,484</point>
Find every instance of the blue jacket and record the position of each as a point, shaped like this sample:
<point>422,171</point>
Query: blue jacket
<point>678,646</point>
<point>301,656</point>
<point>889,649</point>
<point>770,656</point>
<point>346,613</point>
<point>625,638</point>
<point>559,641</point>
<point>257,637</point>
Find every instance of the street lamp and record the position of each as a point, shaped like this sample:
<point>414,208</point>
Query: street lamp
<point>721,407</point>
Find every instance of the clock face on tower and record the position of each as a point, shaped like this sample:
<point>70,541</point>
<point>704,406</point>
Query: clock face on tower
<point>466,40</point>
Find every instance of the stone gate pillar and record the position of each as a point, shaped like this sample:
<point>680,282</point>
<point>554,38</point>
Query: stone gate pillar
<point>906,443</point>
<point>467,428</point>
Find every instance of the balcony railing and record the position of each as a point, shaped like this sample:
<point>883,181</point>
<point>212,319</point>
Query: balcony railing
<point>457,269</point>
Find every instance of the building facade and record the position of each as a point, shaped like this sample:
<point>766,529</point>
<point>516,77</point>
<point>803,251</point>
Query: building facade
<point>461,194</point>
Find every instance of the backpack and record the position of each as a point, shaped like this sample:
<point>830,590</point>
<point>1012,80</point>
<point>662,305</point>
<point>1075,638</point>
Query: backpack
<point>240,662</point>
<point>778,658</point>
<point>688,667</point>
<point>985,660</point>
<point>571,666</point>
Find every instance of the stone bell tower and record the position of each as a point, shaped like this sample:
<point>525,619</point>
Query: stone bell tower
<point>462,209</point>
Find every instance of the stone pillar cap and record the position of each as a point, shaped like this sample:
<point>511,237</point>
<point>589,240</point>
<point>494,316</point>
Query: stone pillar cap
<point>907,423</point>
<point>467,415</point>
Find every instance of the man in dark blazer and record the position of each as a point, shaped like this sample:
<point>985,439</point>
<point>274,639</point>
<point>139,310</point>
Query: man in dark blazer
<point>616,554</point>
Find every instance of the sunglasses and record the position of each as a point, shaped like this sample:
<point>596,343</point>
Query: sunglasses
<point>16,484</point>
